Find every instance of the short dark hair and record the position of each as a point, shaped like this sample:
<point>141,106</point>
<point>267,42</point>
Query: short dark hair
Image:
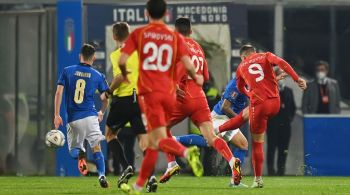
<point>87,51</point>
<point>121,30</point>
<point>245,49</point>
<point>156,8</point>
<point>183,26</point>
<point>322,63</point>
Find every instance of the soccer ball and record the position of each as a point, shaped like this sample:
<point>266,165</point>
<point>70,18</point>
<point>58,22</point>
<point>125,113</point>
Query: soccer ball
<point>55,139</point>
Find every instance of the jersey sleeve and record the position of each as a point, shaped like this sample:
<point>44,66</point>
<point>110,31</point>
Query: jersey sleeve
<point>102,84</point>
<point>114,60</point>
<point>62,80</point>
<point>230,91</point>
<point>130,44</point>
<point>205,68</point>
<point>241,83</point>
<point>273,59</point>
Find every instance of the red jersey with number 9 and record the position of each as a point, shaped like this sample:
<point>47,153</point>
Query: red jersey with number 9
<point>186,83</point>
<point>256,78</point>
<point>159,49</point>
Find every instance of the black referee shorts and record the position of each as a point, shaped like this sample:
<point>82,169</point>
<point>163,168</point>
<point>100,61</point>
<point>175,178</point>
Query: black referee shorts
<point>124,110</point>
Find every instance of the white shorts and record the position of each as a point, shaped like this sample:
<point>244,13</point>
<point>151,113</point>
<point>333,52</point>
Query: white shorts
<point>84,129</point>
<point>219,120</point>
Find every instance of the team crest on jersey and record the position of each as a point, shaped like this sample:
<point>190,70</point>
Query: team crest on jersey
<point>234,94</point>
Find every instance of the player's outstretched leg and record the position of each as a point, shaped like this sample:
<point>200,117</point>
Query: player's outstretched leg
<point>100,165</point>
<point>170,146</point>
<point>221,146</point>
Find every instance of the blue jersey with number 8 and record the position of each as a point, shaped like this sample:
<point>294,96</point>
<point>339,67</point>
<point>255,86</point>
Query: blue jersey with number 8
<point>80,84</point>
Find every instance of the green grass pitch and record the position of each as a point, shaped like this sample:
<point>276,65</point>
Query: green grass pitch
<point>178,185</point>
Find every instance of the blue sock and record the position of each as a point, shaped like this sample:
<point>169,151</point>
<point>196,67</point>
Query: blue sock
<point>100,163</point>
<point>74,153</point>
<point>240,153</point>
<point>192,139</point>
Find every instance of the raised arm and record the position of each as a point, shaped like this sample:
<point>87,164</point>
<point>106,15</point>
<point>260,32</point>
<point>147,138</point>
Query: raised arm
<point>273,59</point>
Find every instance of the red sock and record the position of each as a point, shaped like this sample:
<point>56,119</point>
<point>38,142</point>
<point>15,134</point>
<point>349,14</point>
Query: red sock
<point>170,157</point>
<point>234,123</point>
<point>171,146</point>
<point>147,166</point>
<point>258,158</point>
<point>221,146</point>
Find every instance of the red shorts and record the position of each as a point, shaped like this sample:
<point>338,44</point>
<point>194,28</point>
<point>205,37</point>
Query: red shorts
<point>155,108</point>
<point>260,113</point>
<point>195,108</point>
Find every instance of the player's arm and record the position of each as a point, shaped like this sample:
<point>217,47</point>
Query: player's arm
<point>58,100</point>
<point>191,71</point>
<point>227,109</point>
<point>273,59</point>
<point>241,83</point>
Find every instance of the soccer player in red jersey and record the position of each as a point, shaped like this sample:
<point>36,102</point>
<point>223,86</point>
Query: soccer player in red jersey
<point>192,103</point>
<point>159,49</point>
<point>256,78</point>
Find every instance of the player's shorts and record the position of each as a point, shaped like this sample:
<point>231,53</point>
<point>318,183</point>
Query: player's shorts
<point>260,113</point>
<point>196,109</point>
<point>84,129</point>
<point>124,110</point>
<point>155,108</point>
<point>218,120</point>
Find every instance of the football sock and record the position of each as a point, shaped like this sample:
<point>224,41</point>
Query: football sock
<point>100,163</point>
<point>170,158</point>
<point>240,153</point>
<point>192,139</point>
<point>147,167</point>
<point>74,153</point>
<point>234,123</point>
<point>258,158</point>
<point>118,152</point>
<point>171,146</point>
<point>221,146</point>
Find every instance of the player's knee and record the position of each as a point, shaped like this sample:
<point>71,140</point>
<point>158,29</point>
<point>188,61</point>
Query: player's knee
<point>74,153</point>
<point>260,138</point>
<point>143,142</point>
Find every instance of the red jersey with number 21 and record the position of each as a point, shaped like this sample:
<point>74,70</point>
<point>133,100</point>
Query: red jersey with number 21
<point>186,83</point>
<point>256,78</point>
<point>159,49</point>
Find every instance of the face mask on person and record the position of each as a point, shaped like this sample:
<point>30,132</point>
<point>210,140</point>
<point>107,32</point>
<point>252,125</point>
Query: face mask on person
<point>321,75</point>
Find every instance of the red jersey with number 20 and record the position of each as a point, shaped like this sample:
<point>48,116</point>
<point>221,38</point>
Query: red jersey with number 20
<point>159,49</point>
<point>186,83</point>
<point>256,78</point>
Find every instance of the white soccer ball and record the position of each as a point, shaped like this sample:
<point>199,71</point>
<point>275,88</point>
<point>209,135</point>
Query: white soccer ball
<point>55,139</point>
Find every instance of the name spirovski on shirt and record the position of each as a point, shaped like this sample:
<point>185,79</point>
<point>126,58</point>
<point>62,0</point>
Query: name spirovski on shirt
<point>158,36</point>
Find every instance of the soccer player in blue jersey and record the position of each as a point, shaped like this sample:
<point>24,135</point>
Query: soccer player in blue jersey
<point>231,104</point>
<point>78,83</point>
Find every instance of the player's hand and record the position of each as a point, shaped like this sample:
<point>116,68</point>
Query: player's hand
<point>302,84</point>
<point>281,76</point>
<point>57,121</point>
<point>100,116</point>
<point>199,80</point>
<point>180,94</point>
